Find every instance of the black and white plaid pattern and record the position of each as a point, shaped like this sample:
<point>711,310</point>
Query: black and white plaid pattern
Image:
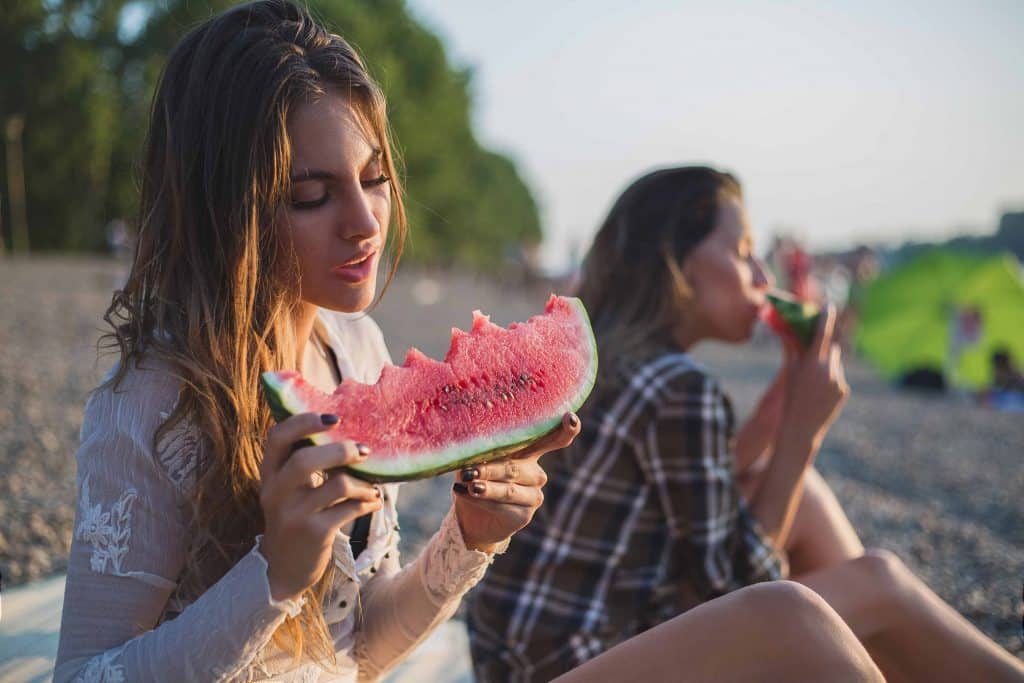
<point>642,521</point>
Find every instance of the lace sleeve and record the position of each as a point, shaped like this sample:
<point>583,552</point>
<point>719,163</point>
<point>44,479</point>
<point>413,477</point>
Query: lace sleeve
<point>403,608</point>
<point>129,547</point>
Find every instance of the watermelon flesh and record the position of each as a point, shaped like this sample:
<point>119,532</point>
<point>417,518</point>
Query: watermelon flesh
<point>496,391</point>
<point>795,321</point>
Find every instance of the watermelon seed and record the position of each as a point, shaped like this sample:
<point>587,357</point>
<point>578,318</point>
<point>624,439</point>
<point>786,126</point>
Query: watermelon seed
<point>489,404</point>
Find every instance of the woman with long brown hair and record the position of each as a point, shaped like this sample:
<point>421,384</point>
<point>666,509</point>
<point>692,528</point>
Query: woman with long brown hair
<point>657,509</point>
<point>208,546</point>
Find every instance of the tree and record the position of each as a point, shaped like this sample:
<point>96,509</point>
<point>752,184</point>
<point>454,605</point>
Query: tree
<point>86,78</point>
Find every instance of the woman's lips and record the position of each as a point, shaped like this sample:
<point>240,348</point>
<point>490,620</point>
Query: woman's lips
<point>357,272</point>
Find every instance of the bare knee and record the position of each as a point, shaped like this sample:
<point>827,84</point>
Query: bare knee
<point>893,584</point>
<point>775,597</point>
<point>793,613</point>
<point>806,612</point>
<point>799,622</point>
<point>883,564</point>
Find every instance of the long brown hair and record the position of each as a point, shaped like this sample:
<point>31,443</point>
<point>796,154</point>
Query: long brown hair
<point>214,282</point>
<point>632,281</point>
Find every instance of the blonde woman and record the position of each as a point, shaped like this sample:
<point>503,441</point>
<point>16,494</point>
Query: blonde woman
<point>657,509</point>
<point>207,546</point>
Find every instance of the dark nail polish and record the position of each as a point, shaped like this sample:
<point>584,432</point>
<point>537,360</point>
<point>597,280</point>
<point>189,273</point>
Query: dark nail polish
<point>573,420</point>
<point>470,473</point>
<point>329,419</point>
<point>363,449</point>
<point>377,491</point>
<point>478,488</point>
<point>459,488</point>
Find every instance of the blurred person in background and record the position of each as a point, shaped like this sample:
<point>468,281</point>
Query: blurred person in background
<point>1007,390</point>
<point>662,505</point>
<point>1006,376</point>
<point>211,546</point>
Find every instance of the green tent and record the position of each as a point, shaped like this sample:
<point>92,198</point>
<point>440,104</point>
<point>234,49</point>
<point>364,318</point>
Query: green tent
<point>906,316</point>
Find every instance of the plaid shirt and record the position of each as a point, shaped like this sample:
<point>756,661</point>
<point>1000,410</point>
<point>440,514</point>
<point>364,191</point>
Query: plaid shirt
<point>642,521</point>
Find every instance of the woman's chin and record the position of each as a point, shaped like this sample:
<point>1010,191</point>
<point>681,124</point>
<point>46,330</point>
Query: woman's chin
<point>743,333</point>
<point>351,301</point>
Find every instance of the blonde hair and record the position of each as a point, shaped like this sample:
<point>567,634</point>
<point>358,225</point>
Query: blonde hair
<point>214,280</point>
<point>632,280</point>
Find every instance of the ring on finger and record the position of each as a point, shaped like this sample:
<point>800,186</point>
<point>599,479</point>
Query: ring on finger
<point>511,470</point>
<point>317,478</point>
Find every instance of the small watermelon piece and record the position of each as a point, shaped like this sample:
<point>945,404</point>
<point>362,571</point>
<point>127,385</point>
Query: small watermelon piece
<point>793,320</point>
<point>496,391</point>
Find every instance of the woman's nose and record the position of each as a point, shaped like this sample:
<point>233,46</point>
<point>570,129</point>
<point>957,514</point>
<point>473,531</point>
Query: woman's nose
<point>358,221</point>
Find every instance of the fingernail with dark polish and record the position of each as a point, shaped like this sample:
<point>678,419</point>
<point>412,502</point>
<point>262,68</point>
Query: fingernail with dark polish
<point>573,420</point>
<point>470,473</point>
<point>478,488</point>
<point>362,449</point>
<point>459,488</point>
<point>377,490</point>
<point>329,419</point>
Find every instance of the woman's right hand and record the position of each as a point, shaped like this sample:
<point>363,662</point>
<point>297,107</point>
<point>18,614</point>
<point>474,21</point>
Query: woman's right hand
<point>816,389</point>
<point>303,508</point>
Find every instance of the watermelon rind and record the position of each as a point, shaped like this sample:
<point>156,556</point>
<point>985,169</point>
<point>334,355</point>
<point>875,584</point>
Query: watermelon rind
<point>407,467</point>
<point>800,317</point>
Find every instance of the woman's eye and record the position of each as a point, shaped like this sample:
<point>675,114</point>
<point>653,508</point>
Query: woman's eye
<point>310,203</point>
<point>309,194</point>
<point>379,180</point>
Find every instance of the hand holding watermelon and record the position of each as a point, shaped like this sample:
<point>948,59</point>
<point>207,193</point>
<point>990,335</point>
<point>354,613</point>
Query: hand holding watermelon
<point>816,387</point>
<point>496,499</point>
<point>303,509</point>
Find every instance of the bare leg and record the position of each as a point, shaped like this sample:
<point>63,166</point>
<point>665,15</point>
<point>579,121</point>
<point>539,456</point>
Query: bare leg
<point>911,633</point>
<point>778,631</point>
<point>822,535</point>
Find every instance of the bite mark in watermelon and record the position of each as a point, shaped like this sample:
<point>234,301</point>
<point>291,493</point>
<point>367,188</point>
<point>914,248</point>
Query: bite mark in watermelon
<point>496,391</point>
<point>793,320</point>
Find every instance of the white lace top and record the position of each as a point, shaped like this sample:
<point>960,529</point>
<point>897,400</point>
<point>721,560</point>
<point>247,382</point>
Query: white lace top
<point>124,618</point>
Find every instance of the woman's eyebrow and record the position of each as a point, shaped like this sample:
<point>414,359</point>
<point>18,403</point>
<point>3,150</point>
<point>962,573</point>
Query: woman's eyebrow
<point>312,174</point>
<point>319,174</point>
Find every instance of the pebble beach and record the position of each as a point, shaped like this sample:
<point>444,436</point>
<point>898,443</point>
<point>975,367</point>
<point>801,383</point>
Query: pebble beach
<point>937,480</point>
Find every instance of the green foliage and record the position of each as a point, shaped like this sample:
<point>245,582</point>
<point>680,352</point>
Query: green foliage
<point>85,81</point>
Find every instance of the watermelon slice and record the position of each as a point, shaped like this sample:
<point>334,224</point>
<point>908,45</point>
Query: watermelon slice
<point>496,391</point>
<point>793,320</point>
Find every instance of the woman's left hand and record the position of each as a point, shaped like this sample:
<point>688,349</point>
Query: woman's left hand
<point>497,499</point>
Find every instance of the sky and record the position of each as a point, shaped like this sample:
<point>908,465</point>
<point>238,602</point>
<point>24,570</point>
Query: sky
<point>845,121</point>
